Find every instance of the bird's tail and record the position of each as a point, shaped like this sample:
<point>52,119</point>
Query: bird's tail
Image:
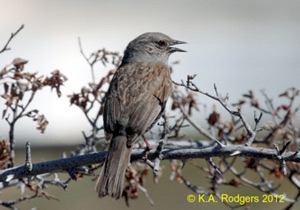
<point>110,182</point>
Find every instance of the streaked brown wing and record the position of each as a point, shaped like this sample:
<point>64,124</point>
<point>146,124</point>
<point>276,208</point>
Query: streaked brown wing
<point>136,97</point>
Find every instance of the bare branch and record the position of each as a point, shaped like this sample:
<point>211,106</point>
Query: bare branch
<point>6,48</point>
<point>87,60</point>
<point>66,164</point>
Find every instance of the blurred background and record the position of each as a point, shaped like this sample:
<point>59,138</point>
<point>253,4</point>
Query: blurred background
<point>238,45</point>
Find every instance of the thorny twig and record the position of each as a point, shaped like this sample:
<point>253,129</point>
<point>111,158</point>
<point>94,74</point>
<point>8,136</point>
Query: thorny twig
<point>91,98</point>
<point>201,130</point>
<point>190,85</point>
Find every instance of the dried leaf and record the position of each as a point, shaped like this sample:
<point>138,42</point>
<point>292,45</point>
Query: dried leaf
<point>213,118</point>
<point>6,87</point>
<point>4,154</point>
<point>4,113</point>
<point>3,72</point>
<point>277,172</point>
<point>19,63</point>
<point>249,95</point>
<point>234,183</point>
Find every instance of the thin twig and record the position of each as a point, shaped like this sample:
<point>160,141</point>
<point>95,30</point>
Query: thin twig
<point>6,48</point>
<point>87,60</point>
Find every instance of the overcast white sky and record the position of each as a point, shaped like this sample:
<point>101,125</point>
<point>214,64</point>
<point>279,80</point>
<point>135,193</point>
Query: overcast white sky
<point>239,45</point>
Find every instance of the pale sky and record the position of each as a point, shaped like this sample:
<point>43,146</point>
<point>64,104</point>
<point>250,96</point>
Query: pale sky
<point>239,45</point>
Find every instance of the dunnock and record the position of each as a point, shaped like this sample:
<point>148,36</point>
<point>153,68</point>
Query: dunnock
<point>136,98</point>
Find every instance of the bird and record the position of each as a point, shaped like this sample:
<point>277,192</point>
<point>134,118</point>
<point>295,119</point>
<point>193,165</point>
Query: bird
<point>135,100</point>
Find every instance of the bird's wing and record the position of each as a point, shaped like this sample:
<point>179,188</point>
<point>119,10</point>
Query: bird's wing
<point>136,97</point>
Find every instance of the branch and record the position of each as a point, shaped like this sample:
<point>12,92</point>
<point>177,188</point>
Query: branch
<point>6,48</point>
<point>69,164</point>
<point>87,60</point>
<point>193,87</point>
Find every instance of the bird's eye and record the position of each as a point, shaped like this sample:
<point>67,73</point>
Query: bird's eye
<point>161,43</point>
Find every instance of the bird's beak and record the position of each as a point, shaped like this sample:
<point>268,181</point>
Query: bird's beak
<point>175,49</point>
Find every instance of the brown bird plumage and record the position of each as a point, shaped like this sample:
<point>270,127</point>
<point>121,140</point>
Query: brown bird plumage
<point>135,100</point>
